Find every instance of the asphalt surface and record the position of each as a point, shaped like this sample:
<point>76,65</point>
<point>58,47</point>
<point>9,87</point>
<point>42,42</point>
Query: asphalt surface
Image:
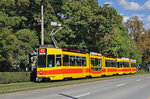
<point>123,88</point>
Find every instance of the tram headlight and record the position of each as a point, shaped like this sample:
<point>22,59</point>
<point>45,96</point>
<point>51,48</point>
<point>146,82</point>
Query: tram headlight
<point>41,72</point>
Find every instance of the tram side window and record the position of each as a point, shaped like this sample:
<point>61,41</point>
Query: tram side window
<point>114,63</point>
<point>72,60</point>
<point>110,63</point>
<point>121,64</point>
<point>65,60</point>
<point>92,62</point>
<point>51,61</point>
<point>83,61</point>
<point>78,61</point>
<point>58,60</point>
<point>100,62</point>
<point>96,62</point>
<point>127,64</point>
<point>107,62</point>
<point>124,65</point>
<point>117,64</point>
<point>133,65</point>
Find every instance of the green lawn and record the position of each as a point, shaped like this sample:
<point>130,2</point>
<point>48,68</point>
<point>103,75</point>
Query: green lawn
<point>24,86</point>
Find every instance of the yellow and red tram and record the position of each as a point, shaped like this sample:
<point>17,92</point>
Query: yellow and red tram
<point>109,65</point>
<point>133,65</point>
<point>119,66</point>
<point>59,64</point>
<point>126,66</point>
<point>96,68</point>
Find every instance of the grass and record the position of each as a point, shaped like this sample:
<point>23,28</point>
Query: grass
<point>24,86</point>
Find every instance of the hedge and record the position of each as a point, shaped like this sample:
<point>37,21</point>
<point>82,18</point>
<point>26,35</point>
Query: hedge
<point>13,77</point>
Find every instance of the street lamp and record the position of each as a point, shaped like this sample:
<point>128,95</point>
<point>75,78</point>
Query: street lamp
<point>107,3</point>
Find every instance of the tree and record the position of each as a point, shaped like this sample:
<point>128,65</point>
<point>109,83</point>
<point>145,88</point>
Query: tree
<point>27,41</point>
<point>8,43</point>
<point>146,52</point>
<point>136,30</point>
<point>86,26</point>
<point>15,18</point>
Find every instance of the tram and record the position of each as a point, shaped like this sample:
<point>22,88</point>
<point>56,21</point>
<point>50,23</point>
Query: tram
<point>59,64</point>
<point>133,65</point>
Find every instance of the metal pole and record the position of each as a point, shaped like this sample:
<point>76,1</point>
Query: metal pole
<point>42,25</point>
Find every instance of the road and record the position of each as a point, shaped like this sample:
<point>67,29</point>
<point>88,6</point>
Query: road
<point>123,88</point>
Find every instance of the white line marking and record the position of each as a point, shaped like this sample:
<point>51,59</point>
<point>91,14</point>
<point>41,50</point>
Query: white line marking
<point>138,79</point>
<point>120,85</point>
<point>82,95</point>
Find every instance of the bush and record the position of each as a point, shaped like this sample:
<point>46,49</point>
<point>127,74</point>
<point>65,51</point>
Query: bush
<point>12,77</point>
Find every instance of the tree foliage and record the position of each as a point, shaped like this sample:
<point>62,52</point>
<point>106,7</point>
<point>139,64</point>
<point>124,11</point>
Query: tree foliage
<point>136,30</point>
<point>146,47</point>
<point>86,26</point>
<point>140,36</point>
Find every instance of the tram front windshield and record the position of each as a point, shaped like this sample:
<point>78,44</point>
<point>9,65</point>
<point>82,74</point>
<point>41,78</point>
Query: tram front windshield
<point>41,60</point>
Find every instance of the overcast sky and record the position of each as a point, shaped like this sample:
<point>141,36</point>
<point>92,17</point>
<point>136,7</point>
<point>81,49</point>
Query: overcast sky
<point>129,8</point>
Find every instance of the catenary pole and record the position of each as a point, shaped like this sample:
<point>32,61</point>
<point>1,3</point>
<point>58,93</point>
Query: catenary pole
<point>42,24</point>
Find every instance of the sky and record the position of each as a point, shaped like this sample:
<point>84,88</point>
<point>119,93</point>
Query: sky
<point>130,8</point>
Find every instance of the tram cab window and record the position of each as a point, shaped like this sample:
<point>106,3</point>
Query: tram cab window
<point>83,61</point>
<point>72,60</point>
<point>78,61</point>
<point>92,62</point>
<point>58,60</point>
<point>41,60</point>
<point>51,61</point>
<point>65,60</point>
